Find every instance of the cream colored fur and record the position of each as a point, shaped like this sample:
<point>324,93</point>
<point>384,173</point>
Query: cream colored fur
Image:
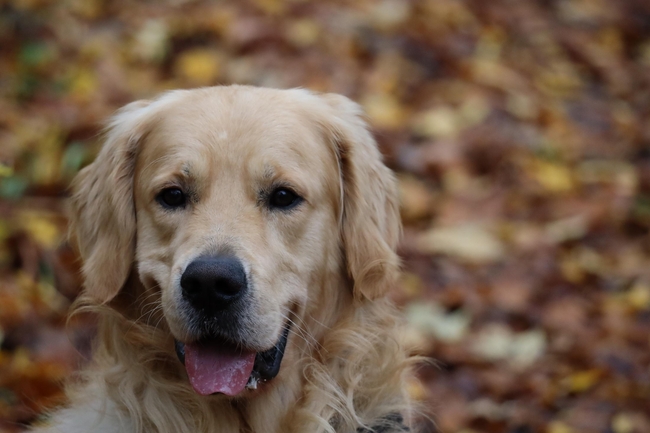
<point>327,266</point>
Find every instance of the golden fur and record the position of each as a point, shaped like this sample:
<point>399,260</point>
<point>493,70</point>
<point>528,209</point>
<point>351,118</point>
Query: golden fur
<point>327,266</point>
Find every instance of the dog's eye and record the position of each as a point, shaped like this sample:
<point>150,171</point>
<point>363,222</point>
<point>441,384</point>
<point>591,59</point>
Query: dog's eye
<point>172,197</point>
<point>284,198</point>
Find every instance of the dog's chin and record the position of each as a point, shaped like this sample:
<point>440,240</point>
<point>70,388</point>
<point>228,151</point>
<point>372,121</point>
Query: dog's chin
<point>217,366</point>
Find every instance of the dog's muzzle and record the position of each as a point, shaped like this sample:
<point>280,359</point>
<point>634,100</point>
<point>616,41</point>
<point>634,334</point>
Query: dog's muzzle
<point>216,288</point>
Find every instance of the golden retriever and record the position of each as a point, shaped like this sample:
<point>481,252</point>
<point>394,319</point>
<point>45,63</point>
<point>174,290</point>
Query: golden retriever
<point>238,244</point>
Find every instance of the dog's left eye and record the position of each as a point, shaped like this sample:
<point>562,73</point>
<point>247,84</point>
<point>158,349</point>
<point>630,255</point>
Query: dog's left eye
<point>284,198</point>
<point>172,198</point>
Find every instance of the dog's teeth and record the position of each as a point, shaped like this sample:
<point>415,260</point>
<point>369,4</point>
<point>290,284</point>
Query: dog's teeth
<point>253,380</point>
<point>252,383</point>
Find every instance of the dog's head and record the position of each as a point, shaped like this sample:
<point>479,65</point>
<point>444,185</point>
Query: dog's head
<point>237,205</point>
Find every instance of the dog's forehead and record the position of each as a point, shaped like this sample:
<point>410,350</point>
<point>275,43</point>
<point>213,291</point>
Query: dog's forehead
<point>244,132</point>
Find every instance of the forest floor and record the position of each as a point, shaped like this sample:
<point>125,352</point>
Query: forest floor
<point>520,132</point>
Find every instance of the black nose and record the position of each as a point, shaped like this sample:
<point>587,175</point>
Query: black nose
<point>213,283</point>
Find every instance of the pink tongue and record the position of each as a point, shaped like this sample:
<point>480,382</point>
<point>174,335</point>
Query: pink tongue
<point>215,368</point>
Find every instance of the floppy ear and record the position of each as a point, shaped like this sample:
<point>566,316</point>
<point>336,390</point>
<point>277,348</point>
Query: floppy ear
<point>102,223</point>
<point>371,224</point>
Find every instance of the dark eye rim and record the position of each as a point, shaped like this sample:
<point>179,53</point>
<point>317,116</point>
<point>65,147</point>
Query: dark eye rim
<point>297,198</point>
<point>160,198</point>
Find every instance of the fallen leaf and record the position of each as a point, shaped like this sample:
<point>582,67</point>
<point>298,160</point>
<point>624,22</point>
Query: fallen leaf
<point>384,110</point>
<point>498,342</point>
<point>151,41</point>
<point>566,229</point>
<point>638,297</point>
<point>622,423</point>
<point>415,198</point>
<point>431,319</point>
<point>553,177</point>
<point>200,66</point>
<point>471,242</point>
<point>582,381</point>
<point>388,14</point>
<point>558,427</point>
<point>493,343</point>
<point>303,33</point>
<point>440,122</point>
<point>41,228</point>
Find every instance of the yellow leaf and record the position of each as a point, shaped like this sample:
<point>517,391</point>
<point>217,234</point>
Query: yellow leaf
<point>644,53</point>
<point>639,296</point>
<point>387,14</point>
<point>582,380</point>
<point>40,228</point>
<point>415,198</point>
<point>200,66</point>
<point>471,242</point>
<point>456,180</point>
<point>440,122</point>
<point>558,79</point>
<point>558,427</point>
<point>271,7</point>
<point>611,40</point>
<point>303,32</point>
<point>89,9</point>
<point>552,177</point>
<point>384,110</point>
<point>6,170</point>
<point>492,73</point>
<point>84,85</point>
<point>21,364</point>
<point>571,269</point>
<point>5,230</point>
<point>47,164</point>
<point>622,423</point>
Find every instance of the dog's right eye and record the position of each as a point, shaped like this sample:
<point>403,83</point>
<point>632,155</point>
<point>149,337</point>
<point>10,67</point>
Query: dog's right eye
<point>171,198</point>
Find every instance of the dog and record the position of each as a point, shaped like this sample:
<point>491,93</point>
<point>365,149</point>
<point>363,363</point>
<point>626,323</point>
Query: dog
<point>237,246</point>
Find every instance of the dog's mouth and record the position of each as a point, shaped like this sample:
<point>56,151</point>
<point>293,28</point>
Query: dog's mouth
<point>215,366</point>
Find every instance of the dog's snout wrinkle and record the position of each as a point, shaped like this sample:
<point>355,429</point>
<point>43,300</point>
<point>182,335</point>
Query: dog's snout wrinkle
<point>214,283</point>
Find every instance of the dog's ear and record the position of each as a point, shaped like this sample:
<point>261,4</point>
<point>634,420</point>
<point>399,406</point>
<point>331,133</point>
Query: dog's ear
<point>102,223</point>
<point>371,224</point>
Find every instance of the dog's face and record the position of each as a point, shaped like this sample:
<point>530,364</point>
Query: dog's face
<point>237,210</point>
<point>236,205</point>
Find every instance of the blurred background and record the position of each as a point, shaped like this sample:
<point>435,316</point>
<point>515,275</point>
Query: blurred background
<point>520,133</point>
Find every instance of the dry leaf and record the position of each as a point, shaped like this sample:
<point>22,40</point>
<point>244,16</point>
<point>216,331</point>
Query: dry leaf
<point>200,66</point>
<point>431,319</point>
<point>471,242</point>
